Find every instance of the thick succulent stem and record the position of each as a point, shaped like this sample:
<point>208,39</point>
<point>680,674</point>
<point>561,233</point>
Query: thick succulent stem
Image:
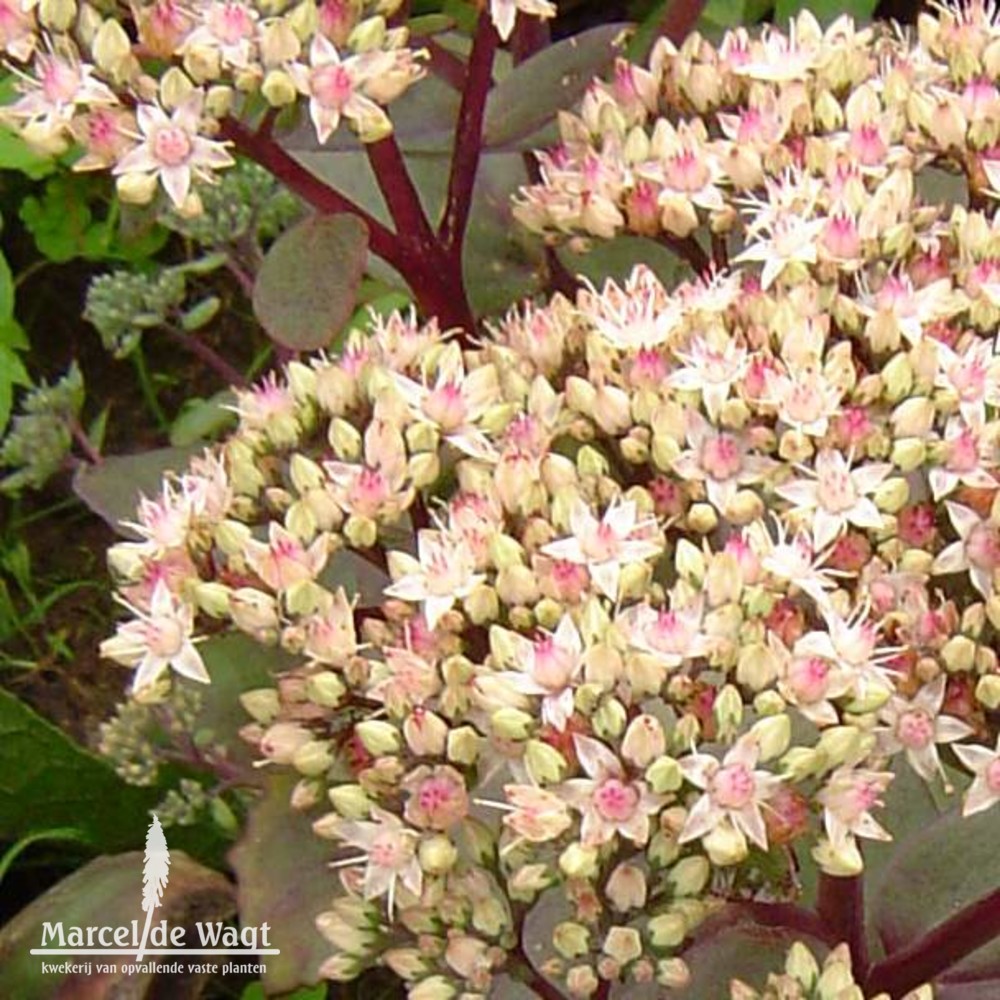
<point>938,950</point>
<point>680,18</point>
<point>469,138</point>
<point>841,907</point>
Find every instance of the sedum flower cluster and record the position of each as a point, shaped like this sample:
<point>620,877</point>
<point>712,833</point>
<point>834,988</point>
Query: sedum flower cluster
<point>144,93</point>
<point>805,979</point>
<point>588,613</point>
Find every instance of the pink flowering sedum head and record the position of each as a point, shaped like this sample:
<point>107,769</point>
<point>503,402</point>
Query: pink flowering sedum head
<point>598,606</point>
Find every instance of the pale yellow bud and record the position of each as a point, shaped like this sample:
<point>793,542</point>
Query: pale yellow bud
<point>626,888</point>
<point>577,861</point>
<point>570,939</point>
<point>350,801</point>
<point>667,930</point>
<point>378,738</point>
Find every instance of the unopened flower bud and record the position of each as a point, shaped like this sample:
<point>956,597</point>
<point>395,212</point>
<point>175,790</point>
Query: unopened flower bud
<point>664,775</point>
<point>313,758</point>
<point>728,711</point>
<point>378,738</point>
<point>325,689</point>
<point>772,734</point>
<point>570,939</point>
<point>644,741</point>
<point>623,944</point>
<point>626,888</point>
<point>261,704</point>
<point>609,719</point>
<point>667,930</point>
<point>959,654</point>
<point>437,855</point>
<point>725,845</point>
<point>511,723</point>
<point>702,518</point>
<point>544,762</point>
<point>689,876</point>
<point>350,801</point>
<point>577,861</point>
<point>464,745</point>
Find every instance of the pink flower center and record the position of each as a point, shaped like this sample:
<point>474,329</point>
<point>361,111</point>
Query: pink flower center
<point>862,796</point>
<point>390,850</point>
<point>687,171</point>
<point>164,637</point>
<point>841,237</point>
<point>993,776</point>
<point>808,678</point>
<point>446,407</point>
<point>552,666</point>
<point>733,787</point>
<point>171,145</point>
<point>440,798</point>
<point>230,23</point>
<point>60,81</point>
<point>804,403</point>
<point>837,491</point>
<point>868,145</point>
<point>983,547</point>
<point>615,800</point>
<point>969,380</point>
<point>368,492</point>
<point>915,729</point>
<point>721,457</point>
<point>963,452</point>
<point>332,86</point>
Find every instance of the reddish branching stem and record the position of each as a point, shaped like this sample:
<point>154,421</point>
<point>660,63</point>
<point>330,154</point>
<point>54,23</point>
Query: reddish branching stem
<point>400,193</point>
<point>938,950</point>
<point>213,360</point>
<point>841,907</point>
<point>680,18</point>
<point>469,138</point>
<point>443,64</point>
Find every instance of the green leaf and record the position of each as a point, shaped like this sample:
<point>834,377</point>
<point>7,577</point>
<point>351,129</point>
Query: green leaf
<point>16,850</point>
<point>6,291</point>
<point>307,287</point>
<point>16,154</point>
<point>12,335</point>
<point>554,79</point>
<point>107,892</point>
<point>282,879</point>
<point>616,258</point>
<point>202,419</point>
<point>111,489</point>
<point>931,876</point>
<point>236,663</point>
<point>48,781</point>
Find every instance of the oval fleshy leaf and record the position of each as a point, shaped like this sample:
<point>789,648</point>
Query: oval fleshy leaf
<point>308,285</point>
<point>933,875</point>
<point>529,98</point>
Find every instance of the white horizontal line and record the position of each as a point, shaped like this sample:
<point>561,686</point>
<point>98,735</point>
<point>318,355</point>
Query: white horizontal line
<point>155,951</point>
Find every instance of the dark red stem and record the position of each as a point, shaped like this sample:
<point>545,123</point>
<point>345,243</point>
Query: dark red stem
<point>400,193</point>
<point>94,457</point>
<point>680,18</point>
<point>841,907</point>
<point>688,249</point>
<point>469,137</point>
<point>443,64</point>
<point>938,950</point>
<point>531,35</point>
<point>201,350</point>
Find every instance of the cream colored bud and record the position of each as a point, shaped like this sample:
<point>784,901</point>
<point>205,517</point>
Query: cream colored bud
<point>313,758</point>
<point>350,801</point>
<point>664,775</point>
<point>424,469</point>
<point>623,944</point>
<point>728,711</point>
<point>175,88</point>
<point>517,585</point>
<point>512,723</point>
<point>57,15</point>
<point>690,561</point>
<point>544,762</point>
<point>426,734</point>
<point>278,44</point>
<point>212,599</point>
<point>690,875</point>
<point>908,454</point>
<point>988,691</point>
<point>644,741</point>
<point>111,46</point>
<point>959,654</point>
<point>464,745</point>
<point>378,738</point>
<point>325,689</point>
<point>609,719</point>
<point>773,735</point>
<point>437,855</point>
<point>483,604</point>
<point>626,888</point>
<point>840,745</point>
<point>913,417</point>
<point>667,930</point>
<point>897,377</point>
<point>136,189</point>
<point>769,703</point>
<point>571,939</point>
<point>577,861</point>
<point>261,704</point>
<point>702,518</point>
<point>725,845</point>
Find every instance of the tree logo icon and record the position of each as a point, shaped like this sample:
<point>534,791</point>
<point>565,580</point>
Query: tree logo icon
<point>155,872</point>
